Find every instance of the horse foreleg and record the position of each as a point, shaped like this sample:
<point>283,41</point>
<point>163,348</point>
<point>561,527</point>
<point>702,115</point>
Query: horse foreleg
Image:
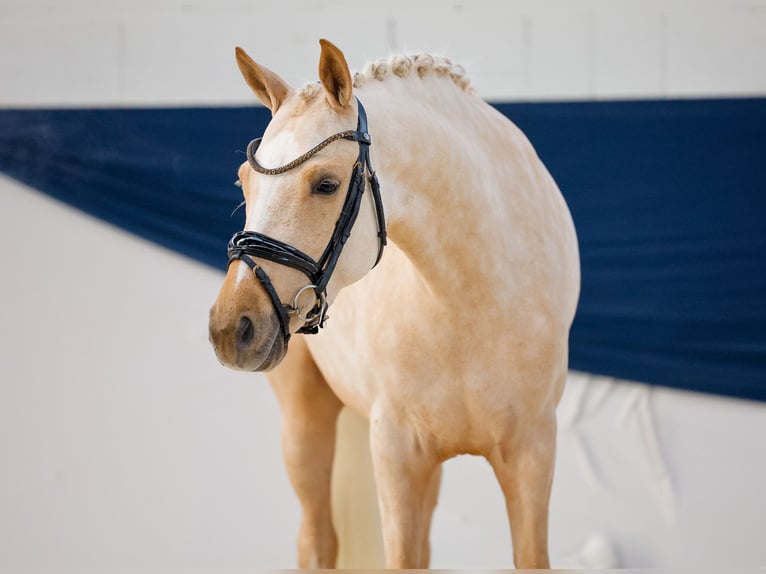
<point>407,477</point>
<point>429,502</point>
<point>310,410</point>
<point>524,469</point>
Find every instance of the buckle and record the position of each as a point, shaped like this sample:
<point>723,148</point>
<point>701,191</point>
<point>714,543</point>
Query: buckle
<point>316,316</point>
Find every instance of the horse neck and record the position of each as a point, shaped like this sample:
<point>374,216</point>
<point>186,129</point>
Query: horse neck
<point>433,172</point>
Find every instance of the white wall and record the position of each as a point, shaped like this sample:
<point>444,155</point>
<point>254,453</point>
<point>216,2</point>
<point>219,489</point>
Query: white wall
<point>125,443</point>
<point>106,52</point>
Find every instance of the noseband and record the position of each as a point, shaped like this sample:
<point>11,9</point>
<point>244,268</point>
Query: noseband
<point>245,245</point>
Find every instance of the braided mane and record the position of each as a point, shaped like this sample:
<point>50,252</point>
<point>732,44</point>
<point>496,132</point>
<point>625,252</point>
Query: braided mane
<point>422,64</point>
<point>402,65</point>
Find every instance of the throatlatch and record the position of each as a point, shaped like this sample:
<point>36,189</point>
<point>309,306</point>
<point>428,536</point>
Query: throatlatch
<point>245,245</point>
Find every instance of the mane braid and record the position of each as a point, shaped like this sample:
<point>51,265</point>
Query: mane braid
<point>403,66</point>
<point>422,64</point>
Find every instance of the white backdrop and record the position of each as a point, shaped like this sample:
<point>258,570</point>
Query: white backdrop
<point>124,443</point>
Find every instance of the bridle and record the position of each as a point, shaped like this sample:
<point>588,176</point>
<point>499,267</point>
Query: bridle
<point>245,245</point>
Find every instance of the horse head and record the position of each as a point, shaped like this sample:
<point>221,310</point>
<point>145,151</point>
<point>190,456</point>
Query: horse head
<point>303,185</point>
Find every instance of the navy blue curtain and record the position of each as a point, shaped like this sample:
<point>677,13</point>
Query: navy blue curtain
<point>669,200</point>
<point>165,174</point>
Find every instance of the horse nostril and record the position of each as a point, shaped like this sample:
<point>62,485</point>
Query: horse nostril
<point>245,333</point>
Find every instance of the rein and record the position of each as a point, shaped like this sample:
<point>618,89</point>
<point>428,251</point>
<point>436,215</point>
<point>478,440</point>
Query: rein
<point>245,245</point>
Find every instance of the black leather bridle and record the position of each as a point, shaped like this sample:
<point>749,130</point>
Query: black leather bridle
<point>245,245</point>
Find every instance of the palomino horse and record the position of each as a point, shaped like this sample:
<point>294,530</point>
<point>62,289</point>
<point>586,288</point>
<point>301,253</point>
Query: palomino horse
<point>455,342</point>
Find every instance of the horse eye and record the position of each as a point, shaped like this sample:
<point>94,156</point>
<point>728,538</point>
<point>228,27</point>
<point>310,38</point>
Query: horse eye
<point>326,187</point>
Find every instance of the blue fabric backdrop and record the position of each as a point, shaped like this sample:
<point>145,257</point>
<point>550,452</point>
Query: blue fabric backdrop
<point>669,200</point>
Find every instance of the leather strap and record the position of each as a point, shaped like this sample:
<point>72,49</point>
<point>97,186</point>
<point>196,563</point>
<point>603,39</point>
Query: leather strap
<point>259,245</point>
<point>260,274</point>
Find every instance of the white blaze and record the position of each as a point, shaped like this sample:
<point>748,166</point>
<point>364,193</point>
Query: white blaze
<point>242,272</point>
<point>272,155</point>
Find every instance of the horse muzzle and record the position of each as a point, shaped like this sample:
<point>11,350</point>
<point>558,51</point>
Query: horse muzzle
<point>246,341</point>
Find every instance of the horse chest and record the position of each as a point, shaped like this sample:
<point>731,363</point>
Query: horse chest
<point>400,356</point>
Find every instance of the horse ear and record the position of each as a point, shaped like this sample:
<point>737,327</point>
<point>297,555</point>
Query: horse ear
<point>334,75</point>
<point>270,89</point>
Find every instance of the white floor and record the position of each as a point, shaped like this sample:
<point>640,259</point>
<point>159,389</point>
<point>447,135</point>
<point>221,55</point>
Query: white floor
<point>125,444</point>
